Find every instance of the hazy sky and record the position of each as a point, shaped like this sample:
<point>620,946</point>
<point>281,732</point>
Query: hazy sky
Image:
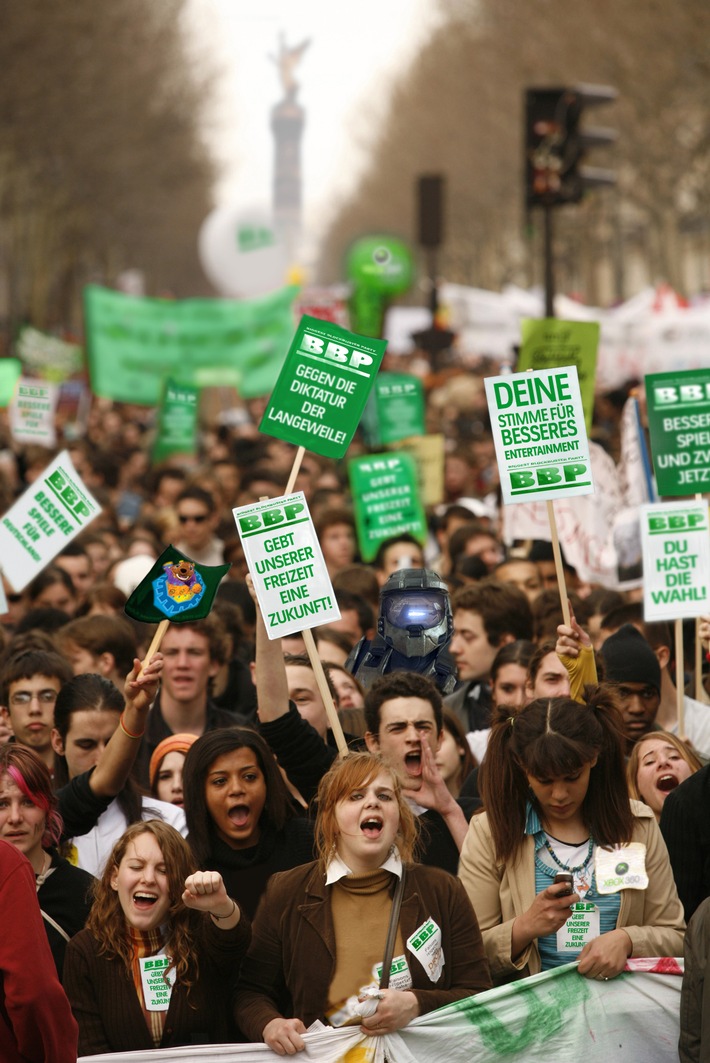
<point>356,48</point>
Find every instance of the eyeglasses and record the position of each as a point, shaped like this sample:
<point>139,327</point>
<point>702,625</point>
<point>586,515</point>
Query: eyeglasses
<point>196,518</point>
<point>23,697</point>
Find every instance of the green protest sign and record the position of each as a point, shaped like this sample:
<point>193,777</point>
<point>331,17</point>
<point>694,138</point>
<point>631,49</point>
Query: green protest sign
<point>676,560</point>
<point>10,370</point>
<point>679,425</point>
<point>51,512</point>
<point>538,430</point>
<point>549,344</point>
<point>386,496</point>
<point>323,387</point>
<point>177,421</point>
<point>399,402</point>
<point>134,343</point>
<point>286,563</point>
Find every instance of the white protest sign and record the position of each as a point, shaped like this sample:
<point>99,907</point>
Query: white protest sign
<point>32,412</point>
<point>676,560</point>
<point>51,512</point>
<point>286,563</point>
<point>539,435</point>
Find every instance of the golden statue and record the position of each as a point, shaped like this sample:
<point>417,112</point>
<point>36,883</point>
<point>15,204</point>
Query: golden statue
<point>287,61</point>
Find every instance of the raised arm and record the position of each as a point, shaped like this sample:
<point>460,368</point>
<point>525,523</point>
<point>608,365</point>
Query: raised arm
<point>271,684</point>
<point>111,773</point>
<point>574,649</point>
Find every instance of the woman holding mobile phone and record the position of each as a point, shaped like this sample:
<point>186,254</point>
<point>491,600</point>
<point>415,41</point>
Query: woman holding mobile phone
<point>554,790</point>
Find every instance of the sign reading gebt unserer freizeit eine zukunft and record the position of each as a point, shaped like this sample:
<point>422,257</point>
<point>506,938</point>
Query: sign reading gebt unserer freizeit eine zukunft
<point>286,563</point>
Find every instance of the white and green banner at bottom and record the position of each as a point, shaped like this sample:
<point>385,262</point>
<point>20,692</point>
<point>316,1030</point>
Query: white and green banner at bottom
<point>557,1015</point>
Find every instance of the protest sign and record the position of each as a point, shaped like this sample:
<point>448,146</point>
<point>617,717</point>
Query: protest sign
<point>48,356</point>
<point>428,454</point>
<point>538,431</point>
<point>323,387</point>
<point>550,344</point>
<point>134,343</point>
<point>32,412</point>
<point>679,424</point>
<point>10,372</point>
<point>399,405</point>
<point>286,563</point>
<point>51,512</point>
<point>676,560</point>
<point>386,496</point>
<point>177,421</point>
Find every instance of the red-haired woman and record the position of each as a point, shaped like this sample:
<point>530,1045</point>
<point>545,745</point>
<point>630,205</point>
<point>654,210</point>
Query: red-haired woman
<point>30,822</point>
<point>156,963</point>
<point>321,929</point>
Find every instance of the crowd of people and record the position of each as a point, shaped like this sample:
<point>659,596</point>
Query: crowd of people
<point>189,859</point>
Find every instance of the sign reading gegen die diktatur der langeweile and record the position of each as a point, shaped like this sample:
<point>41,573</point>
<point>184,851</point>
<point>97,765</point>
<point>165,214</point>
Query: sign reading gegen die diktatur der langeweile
<point>539,435</point>
<point>286,563</point>
<point>323,386</point>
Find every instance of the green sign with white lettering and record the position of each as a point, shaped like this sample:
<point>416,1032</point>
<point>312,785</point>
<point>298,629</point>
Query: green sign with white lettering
<point>548,344</point>
<point>177,421</point>
<point>679,425</point>
<point>386,496</point>
<point>399,405</point>
<point>323,387</point>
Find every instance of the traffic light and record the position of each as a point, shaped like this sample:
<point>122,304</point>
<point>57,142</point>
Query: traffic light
<point>555,144</point>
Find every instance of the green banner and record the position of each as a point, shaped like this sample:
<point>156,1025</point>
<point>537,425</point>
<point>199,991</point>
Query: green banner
<point>177,421</point>
<point>10,371</point>
<point>548,344</point>
<point>323,387</point>
<point>134,343</point>
<point>679,425</point>
<point>386,496</point>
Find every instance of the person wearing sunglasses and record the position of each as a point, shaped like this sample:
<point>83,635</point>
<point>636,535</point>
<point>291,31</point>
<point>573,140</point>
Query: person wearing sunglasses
<point>197,519</point>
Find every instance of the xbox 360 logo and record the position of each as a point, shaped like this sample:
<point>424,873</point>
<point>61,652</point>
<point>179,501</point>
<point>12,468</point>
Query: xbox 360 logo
<point>621,869</point>
<point>381,255</point>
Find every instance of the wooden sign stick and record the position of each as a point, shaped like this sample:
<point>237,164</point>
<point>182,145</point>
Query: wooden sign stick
<point>679,678</point>
<point>557,554</point>
<point>319,673</point>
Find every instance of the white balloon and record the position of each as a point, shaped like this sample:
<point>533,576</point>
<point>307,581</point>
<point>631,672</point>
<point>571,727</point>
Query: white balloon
<point>241,253</point>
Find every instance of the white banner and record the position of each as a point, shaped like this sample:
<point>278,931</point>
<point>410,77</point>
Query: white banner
<point>554,1016</point>
<point>32,412</point>
<point>51,512</point>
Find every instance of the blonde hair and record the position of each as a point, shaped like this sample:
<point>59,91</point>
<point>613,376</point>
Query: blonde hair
<point>346,775</point>
<point>634,762</point>
<point>107,921</point>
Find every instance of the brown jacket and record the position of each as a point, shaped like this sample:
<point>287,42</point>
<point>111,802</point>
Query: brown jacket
<point>105,1003</point>
<point>653,918</point>
<point>293,947</point>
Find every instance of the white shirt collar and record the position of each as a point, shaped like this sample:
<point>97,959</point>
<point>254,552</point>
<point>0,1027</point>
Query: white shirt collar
<point>337,868</point>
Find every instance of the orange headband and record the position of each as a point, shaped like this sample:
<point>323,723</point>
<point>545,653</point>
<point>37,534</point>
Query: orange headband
<point>174,743</point>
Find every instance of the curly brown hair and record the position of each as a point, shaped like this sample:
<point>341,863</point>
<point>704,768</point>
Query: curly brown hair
<point>107,922</point>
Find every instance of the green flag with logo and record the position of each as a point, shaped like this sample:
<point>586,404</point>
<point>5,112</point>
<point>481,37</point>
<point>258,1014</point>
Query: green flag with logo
<point>176,589</point>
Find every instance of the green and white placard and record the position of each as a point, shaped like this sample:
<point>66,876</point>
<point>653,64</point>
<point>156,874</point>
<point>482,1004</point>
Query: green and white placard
<point>539,435</point>
<point>676,560</point>
<point>286,563</point>
<point>32,412</point>
<point>679,425</point>
<point>548,343</point>
<point>386,496</point>
<point>51,512</point>
<point>177,421</point>
<point>323,387</point>
<point>399,400</point>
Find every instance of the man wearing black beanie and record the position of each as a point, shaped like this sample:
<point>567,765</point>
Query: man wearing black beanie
<point>632,665</point>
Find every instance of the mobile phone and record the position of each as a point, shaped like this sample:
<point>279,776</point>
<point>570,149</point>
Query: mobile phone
<point>568,878</point>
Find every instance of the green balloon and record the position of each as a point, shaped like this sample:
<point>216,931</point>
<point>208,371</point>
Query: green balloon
<point>381,263</point>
